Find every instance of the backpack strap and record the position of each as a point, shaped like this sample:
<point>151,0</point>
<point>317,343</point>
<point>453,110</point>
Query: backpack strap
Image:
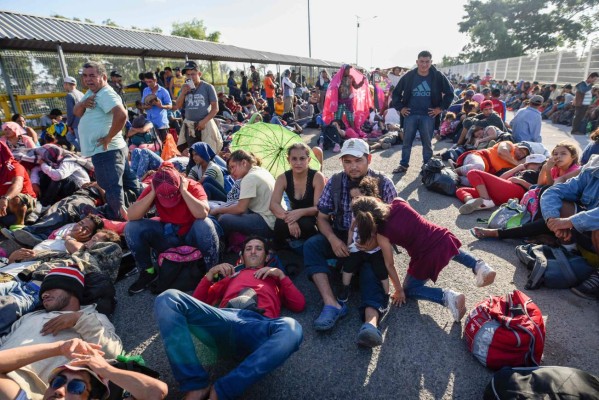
<point>538,271</point>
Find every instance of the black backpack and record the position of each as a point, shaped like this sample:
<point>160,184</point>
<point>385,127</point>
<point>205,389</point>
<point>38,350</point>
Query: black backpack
<point>100,290</point>
<point>438,178</point>
<point>542,383</point>
<point>179,268</point>
<point>116,392</point>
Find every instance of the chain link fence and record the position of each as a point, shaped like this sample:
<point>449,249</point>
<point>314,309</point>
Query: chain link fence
<point>559,67</point>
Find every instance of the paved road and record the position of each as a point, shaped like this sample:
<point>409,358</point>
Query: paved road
<point>424,355</point>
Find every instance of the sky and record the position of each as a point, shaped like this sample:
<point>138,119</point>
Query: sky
<point>392,32</point>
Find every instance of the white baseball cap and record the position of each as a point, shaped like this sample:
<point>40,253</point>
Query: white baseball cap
<point>354,147</point>
<point>535,159</point>
<point>70,79</point>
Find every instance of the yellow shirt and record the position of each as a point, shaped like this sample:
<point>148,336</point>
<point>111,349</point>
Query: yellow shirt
<point>177,85</point>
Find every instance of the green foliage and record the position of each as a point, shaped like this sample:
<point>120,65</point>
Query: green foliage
<point>511,28</point>
<point>109,22</point>
<point>194,29</point>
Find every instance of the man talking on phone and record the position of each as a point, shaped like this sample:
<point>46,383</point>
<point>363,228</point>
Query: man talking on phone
<point>246,324</point>
<point>198,100</point>
<point>420,96</point>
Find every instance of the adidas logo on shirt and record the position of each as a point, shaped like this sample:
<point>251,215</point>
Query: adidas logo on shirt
<point>423,89</point>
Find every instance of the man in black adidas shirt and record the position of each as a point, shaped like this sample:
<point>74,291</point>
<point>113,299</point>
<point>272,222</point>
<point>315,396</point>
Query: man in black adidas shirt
<point>420,96</point>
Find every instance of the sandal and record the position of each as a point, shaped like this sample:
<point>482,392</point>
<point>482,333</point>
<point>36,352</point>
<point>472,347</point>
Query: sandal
<point>329,316</point>
<point>400,170</point>
<point>479,235</point>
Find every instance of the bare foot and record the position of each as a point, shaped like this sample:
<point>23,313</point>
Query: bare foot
<point>19,210</point>
<point>484,233</point>
<point>202,394</point>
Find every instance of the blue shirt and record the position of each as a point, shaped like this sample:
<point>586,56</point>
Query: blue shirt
<point>156,115</point>
<point>526,125</point>
<point>97,121</point>
<point>420,101</point>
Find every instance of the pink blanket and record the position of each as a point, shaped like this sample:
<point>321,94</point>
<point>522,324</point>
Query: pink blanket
<point>362,100</point>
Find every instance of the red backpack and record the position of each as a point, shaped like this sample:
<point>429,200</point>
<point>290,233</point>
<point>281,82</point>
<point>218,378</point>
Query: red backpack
<point>506,331</point>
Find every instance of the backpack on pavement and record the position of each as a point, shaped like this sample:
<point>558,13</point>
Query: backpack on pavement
<point>179,268</point>
<point>509,215</point>
<point>506,331</point>
<point>553,267</point>
<point>542,383</point>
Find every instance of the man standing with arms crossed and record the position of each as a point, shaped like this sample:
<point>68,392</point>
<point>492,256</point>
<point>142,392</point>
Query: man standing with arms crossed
<point>102,120</point>
<point>420,96</point>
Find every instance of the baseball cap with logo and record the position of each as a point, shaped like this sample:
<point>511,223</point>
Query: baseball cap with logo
<point>354,147</point>
<point>166,183</point>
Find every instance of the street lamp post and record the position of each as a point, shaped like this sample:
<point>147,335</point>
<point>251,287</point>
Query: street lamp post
<point>358,33</point>
<point>309,33</point>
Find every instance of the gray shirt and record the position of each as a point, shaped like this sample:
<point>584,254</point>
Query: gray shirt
<point>73,98</point>
<point>197,102</point>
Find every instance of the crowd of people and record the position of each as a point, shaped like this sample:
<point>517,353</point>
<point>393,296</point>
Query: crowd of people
<point>106,179</point>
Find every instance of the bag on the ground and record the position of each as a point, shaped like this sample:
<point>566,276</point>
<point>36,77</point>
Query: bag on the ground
<point>117,392</point>
<point>509,215</point>
<point>542,383</point>
<point>438,178</point>
<point>99,289</point>
<point>506,331</point>
<point>179,268</point>
<point>553,267</point>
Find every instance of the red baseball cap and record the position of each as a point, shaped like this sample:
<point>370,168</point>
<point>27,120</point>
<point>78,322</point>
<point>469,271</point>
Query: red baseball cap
<point>166,185</point>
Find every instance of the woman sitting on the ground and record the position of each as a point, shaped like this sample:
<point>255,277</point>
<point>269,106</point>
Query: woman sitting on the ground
<point>501,156</point>
<point>210,170</point>
<point>15,138</point>
<point>29,131</point>
<point>562,165</point>
<point>251,214</point>
<point>17,198</point>
<point>61,174</point>
<point>303,187</point>
<point>489,190</point>
<point>399,224</point>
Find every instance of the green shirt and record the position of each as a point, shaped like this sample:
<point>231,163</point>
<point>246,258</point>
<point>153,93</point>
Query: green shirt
<point>97,121</point>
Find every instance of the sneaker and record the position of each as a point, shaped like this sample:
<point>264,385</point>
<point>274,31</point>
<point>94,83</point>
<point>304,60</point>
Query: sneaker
<point>7,233</point>
<point>400,170</point>
<point>589,289</point>
<point>336,148</point>
<point>478,204</point>
<point>329,316</point>
<point>369,336</point>
<point>145,279</point>
<point>343,294</point>
<point>456,302</point>
<point>485,275</point>
<point>26,238</point>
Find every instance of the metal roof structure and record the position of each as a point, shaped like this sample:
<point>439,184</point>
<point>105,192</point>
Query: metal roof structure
<point>29,32</point>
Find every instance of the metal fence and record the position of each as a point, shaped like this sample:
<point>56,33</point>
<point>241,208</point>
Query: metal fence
<point>559,67</point>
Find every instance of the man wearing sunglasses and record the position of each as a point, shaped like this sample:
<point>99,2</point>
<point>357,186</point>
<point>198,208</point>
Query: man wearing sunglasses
<point>86,376</point>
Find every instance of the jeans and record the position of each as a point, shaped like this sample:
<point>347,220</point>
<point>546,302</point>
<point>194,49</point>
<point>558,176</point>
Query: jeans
<point>248,224</point>
<point>114,175</point>
<point>271,105</point>
<point>317,250</point>
<point>416,287</point>
<point>412,124</point>
<point>213,189</point>
<point>16,299</point>
<point>262,343</point>
<point>73,138</point>
<point>145,234</point>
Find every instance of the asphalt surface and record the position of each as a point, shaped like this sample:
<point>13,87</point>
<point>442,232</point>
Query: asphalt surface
<point>424,355</point>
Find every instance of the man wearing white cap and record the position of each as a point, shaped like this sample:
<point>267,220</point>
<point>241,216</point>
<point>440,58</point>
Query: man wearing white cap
<point>334,220</point>
<point>73,97</point>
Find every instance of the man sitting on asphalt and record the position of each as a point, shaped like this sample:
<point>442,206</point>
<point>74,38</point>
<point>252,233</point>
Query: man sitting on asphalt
<point>334,220</point>
<point>20,281</point>
<point>246,324</point>
<point>526,125</point>
<point>88,374</point>
<point>62,319</point>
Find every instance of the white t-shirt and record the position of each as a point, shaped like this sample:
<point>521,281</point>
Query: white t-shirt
<point>392,116</point>
<point>258,186</point>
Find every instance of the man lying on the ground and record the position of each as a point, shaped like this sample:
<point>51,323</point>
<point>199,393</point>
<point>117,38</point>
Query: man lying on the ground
<point>61,319</point>
<point>20,282</point>
<point>246,324</point>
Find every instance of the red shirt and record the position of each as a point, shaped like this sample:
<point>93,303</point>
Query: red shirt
<point>499,107</point>
<point>179,214</point>
<point>18,170</point>
<point>272,293</point>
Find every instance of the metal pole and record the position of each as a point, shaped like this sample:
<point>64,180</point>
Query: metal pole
<point>186,58</point>
<point>519,65</point>
<point>534,74</point>
<point>587,68</point>
<point>13,102</point>
<point>559,61</point>
<point>309,33</point>
<point>61,61</point>
<point>357,30</point>
<point>211,71</point>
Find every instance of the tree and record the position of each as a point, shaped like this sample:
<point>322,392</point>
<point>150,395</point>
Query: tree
<point>194,29</point>
<point>109,22</point>
<point>511,28</point>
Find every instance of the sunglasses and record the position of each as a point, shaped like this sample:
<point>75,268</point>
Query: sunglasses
<point>74,386</point>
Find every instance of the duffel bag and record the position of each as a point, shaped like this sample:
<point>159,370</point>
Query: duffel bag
<point>506,331</point>
<point>179,268</point>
